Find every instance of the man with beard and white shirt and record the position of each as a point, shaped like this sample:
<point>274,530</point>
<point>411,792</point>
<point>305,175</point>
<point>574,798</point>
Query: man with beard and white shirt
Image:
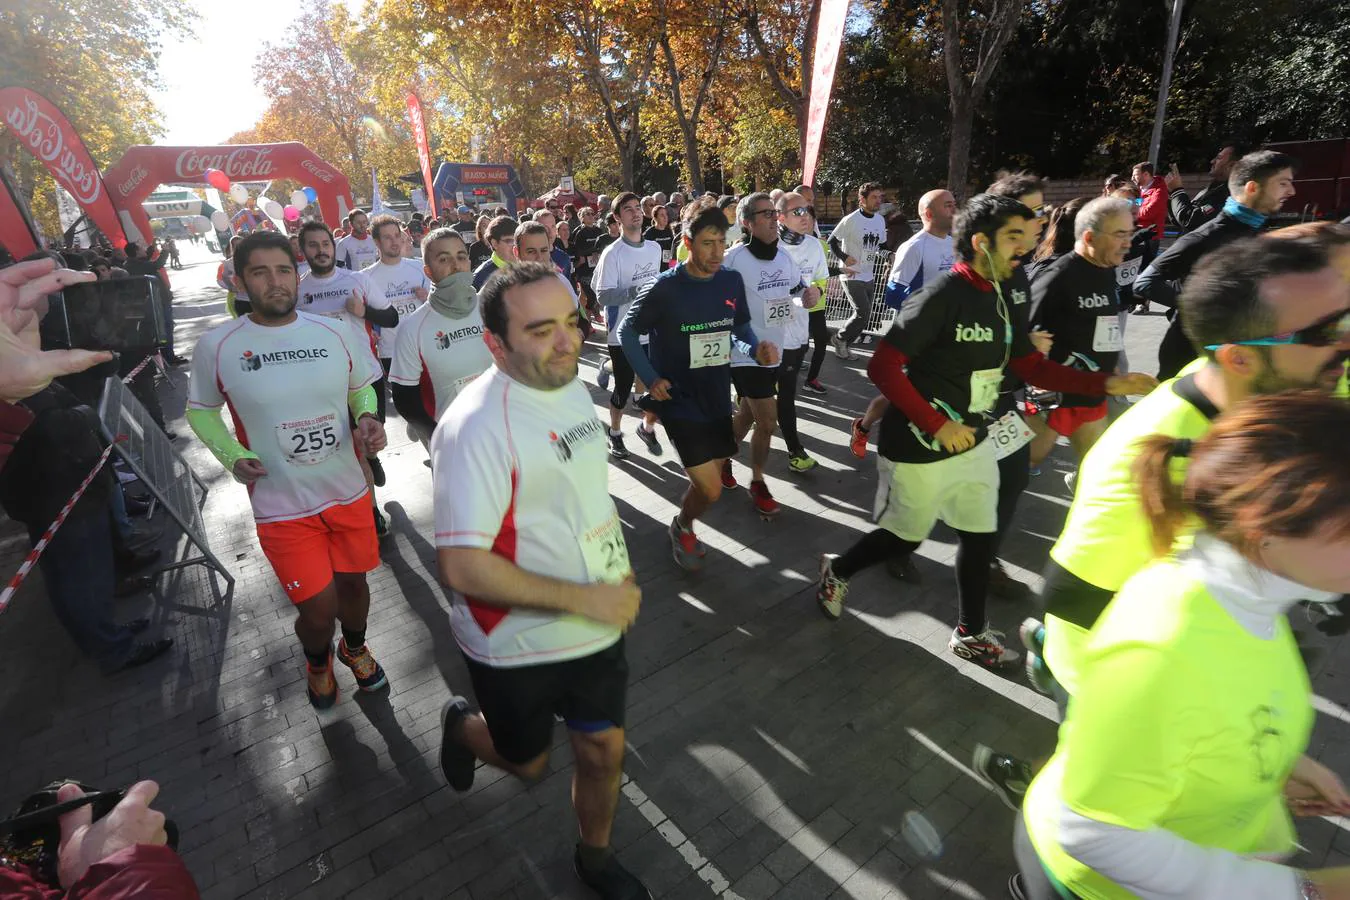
<point>349,297</point>
<point>358,250</point>
<point>397,279</point>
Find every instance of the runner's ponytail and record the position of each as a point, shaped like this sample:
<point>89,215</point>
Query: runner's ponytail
<point>1164,504</point>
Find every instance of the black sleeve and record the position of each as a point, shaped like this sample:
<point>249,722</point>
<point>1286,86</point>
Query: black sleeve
<point>837,247</point>
<point>1182,209</point>
<point>1160,282</point>
<point>385,318</point>
<point>919,322</point>
<point>408,402</point>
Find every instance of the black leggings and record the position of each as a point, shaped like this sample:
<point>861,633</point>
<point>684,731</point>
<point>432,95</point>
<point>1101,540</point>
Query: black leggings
<point>974,555</point>
<point>1014,474</point>
<point>623,376</point>
<point>381,389</point>
<point>788,370</point>
<point>820,340</point>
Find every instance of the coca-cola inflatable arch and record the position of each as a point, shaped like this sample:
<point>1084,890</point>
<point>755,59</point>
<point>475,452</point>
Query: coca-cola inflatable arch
<point>144,168</point>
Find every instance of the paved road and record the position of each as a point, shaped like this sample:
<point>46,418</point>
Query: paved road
<point>772,753</point>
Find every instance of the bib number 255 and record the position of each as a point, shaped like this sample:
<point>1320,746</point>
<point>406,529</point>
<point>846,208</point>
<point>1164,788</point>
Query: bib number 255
<point>307,442</point>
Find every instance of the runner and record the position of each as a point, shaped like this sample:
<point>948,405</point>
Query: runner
<point>940,366</point>
<point>531,544</point>
<point>357,250</point>
<point>348,296</point>
<point>291,380</point>
<point>773,288</point>
<point>660,232</point>
<point>465,224</point>
<point>693,313</point>
<point>236,304</point>
<point>549,220</point>
<point>500,236</point>
<point>1074,298</point>
<point>440,347</point>
<point>401,282</point>
<point>796,238</point>
<point>856,240</point>
<point>917,261</point>
<point>625,266</point>
<point>301,267</point>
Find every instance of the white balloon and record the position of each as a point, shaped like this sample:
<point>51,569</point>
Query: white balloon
<point>273,209</point>
<point>299,200</point>
<point>203,223</point>
<point>239,194</point>
<point>220,220</point>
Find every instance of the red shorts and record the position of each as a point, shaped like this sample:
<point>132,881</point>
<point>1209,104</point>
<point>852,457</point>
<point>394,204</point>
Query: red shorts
<point>1066,420</point>
<point>306,552</point>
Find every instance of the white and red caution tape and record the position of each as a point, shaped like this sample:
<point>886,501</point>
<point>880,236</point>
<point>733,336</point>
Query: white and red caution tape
<point>8,593</point>
<point>152,358</point>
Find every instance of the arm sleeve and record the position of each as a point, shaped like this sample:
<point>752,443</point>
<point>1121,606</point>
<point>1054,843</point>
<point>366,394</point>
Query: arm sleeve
<point>408,402</point>
<point>637,322</point>
<point>209,426</point>
<point>887,371</point>
<point>385,318</point>
<point>837,246</point>
<point>1182,209</point>
<point>1035,369</point>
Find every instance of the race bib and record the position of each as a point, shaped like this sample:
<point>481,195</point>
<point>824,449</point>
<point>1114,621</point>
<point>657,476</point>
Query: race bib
<point>308,442</point>
<point>984,384</point>
<point>605,552</point>
<point>1009,434</point>
<point>1106,335</point>
<point>665,255</point>
<point>712,349</point>
<point>777,313</point>
<point>1128,271</point>
<point>407,306</point>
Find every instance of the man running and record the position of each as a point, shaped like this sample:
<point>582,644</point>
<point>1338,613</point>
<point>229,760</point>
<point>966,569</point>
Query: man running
<point>773,288</point>
<point>693,314</point>
<point>1074,298</point>
<point>917,261</point>
<point>357,250</point>
<point>440,347</point>
<point>548,218</point>
<point>856,240</point>
<point>796,238</point>
<point>348,296</point>
<point>941,366</point>
<point>399,281</point>
<point>625,266</point>
<point>530,542</point>
<point>291,380</point>
<point>501,238</point>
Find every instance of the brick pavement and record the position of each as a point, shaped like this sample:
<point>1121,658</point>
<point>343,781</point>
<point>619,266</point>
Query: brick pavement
<point>772,753</point>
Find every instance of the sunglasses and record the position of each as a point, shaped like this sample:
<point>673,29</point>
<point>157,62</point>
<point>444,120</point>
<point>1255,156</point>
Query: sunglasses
<point>1331,331</point>
<point>798,211</point>
<point>1038,211</point>
<point>763,212</point>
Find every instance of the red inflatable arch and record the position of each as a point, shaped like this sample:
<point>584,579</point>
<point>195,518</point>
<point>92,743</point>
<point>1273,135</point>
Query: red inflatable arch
<point>144,168</point>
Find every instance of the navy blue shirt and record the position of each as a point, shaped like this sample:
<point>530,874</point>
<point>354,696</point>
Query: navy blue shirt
<point>691,323</point>
<point>562,261</point>
<point>483,273</point>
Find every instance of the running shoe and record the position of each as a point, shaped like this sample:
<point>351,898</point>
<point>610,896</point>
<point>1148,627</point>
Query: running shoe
<point>1032,633</point>
<point>830,591</point>
<point>865,339</point>
<point>1004,585</point>
<point>857,441</point>
<point>376,470</point>
<point>613,882</point>
<point>616,447</point>
<point>457,760</point>
<point>1071,479</point>
<point>840,347</point>
<point>602,377</point>
<point>729,482</point>
<point>381,524</point>
<point>1007,775</point>
<point>649,438</point>
<point>902,568</point>
<point>687,549</point>
<point>985,648</point>
<point>765,505</point>
<point>368,673</point>
<point>813,386</point>
<point>1015,890</point>
<point>321,686</point>
<point>800,462</point>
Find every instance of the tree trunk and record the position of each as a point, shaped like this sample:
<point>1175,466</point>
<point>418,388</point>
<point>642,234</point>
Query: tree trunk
<point>958,149</point>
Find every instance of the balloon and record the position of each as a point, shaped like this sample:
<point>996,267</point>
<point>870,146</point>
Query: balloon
<point>220,220</point>
<point>218,179</point>
<point>311,195</point>
<point>239,194</point>
<point>291,213</point>
<point>273,209</point>
<point>299,200</point>
<point>203,223</point>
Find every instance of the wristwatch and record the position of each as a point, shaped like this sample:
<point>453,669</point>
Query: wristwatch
<point>1306,889</point>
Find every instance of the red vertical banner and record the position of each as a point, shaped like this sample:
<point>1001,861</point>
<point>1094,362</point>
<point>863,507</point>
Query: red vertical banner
<point>829,38</point>
<point>419,130</point>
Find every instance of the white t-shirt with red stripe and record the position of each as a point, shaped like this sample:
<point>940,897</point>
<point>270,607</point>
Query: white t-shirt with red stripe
<point>398,283</point>
<point>524,473</point>
<point>326,295</point>
<point>286,388</point>
<point>439,354</point>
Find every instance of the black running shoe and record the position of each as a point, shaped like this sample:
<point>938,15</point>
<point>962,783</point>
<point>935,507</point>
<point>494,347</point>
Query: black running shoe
<point>616,447</point>
<point>613,882</point>
<point>376,470</point>
<point>649,438</point>
<point>457,760</point>
<point>1007,775</point>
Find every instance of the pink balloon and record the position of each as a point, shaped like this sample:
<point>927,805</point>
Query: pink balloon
<point>218,179</point>
<point>290,213</point>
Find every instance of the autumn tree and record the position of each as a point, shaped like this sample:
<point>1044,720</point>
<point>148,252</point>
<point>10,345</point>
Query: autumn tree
<point>782,37</point>
<point>691,46</point>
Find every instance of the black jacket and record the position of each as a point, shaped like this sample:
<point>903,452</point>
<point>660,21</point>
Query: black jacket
<point>50,460</point>
<point>1162,280</point>
<point>1191,214</point>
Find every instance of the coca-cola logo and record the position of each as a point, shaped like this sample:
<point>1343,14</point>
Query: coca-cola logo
<point>69,164</point>
<point>322,174</point>
<point>238,163</point>
<point>132,181</point>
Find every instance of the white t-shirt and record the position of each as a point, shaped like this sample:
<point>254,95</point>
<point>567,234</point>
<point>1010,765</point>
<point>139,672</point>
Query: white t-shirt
<point>286,388</point>
<point>920,260</point>
<point>524,473</point>
<point>440,354</point>
<point>357,253</point>
<point>624,266</point>
<point>396,283</point>
<point>862,237</point>
<point>809,257</point>
<point>327,296</point>
<point>768,293</point>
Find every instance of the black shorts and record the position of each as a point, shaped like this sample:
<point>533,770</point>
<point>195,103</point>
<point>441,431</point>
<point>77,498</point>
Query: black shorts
<point>699,440</point>
<point>519,702</point>
<point>755,382</point>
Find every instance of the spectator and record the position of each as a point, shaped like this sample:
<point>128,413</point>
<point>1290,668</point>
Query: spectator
<point>1153,201</point>
<point>1191,214</point>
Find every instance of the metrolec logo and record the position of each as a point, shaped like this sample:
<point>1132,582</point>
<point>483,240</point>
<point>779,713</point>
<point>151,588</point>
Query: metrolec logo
<point>252,362</point>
